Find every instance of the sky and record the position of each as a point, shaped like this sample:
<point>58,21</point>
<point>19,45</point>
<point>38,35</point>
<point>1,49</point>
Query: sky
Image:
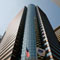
<point>57,2</point>
<point>10,8</point>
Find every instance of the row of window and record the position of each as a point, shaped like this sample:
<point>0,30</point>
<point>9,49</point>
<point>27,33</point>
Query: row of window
<point>7,46</point>
<point>44,36</point>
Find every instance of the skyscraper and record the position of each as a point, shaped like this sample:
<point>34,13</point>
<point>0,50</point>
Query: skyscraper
<point>28,36</point>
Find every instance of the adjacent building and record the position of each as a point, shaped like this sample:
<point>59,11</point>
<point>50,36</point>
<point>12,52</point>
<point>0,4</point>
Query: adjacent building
<point>30,36</point>
<point>57,32</point>
<point>0,38</point>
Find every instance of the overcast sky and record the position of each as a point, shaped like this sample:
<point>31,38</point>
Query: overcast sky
<point>10,8</point>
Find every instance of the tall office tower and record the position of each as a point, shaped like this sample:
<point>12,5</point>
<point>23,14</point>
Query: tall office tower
<point>57,32</point>
<point>30,37</point>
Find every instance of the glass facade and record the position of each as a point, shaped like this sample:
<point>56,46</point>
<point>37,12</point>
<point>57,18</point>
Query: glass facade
<point>29,39</point>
